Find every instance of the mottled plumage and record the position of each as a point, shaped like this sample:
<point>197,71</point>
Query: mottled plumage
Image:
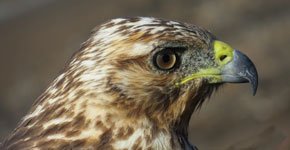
<point>120,90</point>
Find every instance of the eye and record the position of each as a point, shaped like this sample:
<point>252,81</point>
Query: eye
<point>166,59</point>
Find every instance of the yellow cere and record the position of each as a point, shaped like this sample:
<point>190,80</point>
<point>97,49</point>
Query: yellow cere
<point>223,50</point>
<point>223,54</point>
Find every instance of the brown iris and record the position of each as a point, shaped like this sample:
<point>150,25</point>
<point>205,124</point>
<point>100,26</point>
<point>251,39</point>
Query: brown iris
<point>166,60</point>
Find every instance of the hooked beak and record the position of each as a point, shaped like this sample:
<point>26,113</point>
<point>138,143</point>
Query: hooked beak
<point>240,70</point>
<point>233,67</point>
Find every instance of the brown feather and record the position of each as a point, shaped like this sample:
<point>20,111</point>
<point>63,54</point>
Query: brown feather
<point>110,96</point>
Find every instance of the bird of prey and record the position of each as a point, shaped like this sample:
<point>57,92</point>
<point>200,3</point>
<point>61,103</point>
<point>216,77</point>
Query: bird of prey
<point>133,84</point>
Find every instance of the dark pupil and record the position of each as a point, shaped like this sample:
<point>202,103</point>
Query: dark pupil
<point>166,58</point>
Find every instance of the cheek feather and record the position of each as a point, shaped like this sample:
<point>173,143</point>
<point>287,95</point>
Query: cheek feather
<point>110,96</point>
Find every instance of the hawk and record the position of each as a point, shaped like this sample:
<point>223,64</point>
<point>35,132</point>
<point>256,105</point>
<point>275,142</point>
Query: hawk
<point>133,84</point>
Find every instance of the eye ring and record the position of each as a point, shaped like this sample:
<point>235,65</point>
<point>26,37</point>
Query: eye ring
<point>166,60</point>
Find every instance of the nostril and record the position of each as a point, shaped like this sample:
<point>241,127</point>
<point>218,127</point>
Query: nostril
<point>223,57</point>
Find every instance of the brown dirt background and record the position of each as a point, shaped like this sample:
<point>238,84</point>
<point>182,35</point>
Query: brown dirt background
<point>38,36</point>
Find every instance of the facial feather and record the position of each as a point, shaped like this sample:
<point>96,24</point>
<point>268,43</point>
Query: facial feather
<point>110,95</point>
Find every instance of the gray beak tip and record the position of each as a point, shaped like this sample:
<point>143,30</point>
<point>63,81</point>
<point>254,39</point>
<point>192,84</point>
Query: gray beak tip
<point>241,70</point>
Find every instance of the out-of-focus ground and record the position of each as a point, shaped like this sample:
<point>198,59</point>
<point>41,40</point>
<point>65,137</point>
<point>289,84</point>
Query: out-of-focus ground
<point>37,37</point>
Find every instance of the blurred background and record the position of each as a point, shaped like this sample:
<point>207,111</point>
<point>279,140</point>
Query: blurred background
<point>37,37</point>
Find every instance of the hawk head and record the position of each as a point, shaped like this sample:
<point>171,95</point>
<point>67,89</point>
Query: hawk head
<point>134,78</point>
